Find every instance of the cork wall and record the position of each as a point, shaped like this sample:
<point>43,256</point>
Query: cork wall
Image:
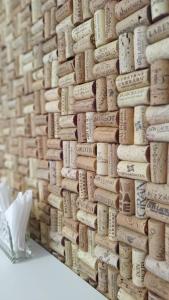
<point>84,123</point>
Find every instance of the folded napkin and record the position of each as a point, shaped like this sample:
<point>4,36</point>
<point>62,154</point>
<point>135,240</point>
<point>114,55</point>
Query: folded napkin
<point>17,216</point>
<point>5,196</point>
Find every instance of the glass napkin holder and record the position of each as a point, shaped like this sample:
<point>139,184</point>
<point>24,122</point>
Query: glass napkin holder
<point>6,243</point>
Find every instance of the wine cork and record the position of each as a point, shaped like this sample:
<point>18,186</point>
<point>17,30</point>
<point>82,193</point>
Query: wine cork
<point>90,185</point>
<point>86,10</point>
<point>83,44</point>
<point>64,11</point>
<point>125,253</point>
<point>67,121</point>
<point>59,165</point>
<point>102,159</point>
<point>66,155</point>
<point>68,253</point>
<point>50,125</point>
<point>134,153</point>
<point>107,183</point>
<point>61,46</point>
<point>53,219</point>
<point>166,242</point>
<point>157,51</point>
<point>89,105</point>
<point>157,211</point>
<point>157,285</point>
<point>69,43</point>
<point>56,125</point>
<point>86,28</point>
<point>86,218</point>
<point>66,204</point>
<point>86,163</point>
<point>80,68</point>
<point>157,114</point>
<point>69,173</point>
<point>126,198</point>
<point>152,296</point>
<point>101,94</point>
<point>64,101</point>
<point>77,12</point>
<point>82,184</point>
<point>158,158</point>
<point>53,154</point>
<point>99,27</point>
<point>66,68</point>
<point>125,8</point>
<point>86,149</point>
<point>87,206</point>
<point>73,155</point>
<point>102,221</point>
<point>159,82</point>
<point>159,9</point>
<point>74,206</point>
<point>111,93</point>
<point>157,192</point>
<point>106,68</point>
<point>85,91</point>
<point>81,128</point>
<point>70,185</point>
<point>106,256</point>
<point>106,135</point>
<point>132,81</point>
<point>140,199</point>
<point>112,160</point>
<point>47,75</point>
<point>140,17</point>
<point>122,294</point>
<point>106,197</point>
<point>67,80</point>
<point>103,241</point>
<point>91,240</point>
<point>140,44</point>
<point>68,134</point>
<point>126,130</point>
<point>106,52</point>
<point>110,21</point>
<point>71,223</point>
<point>52,106</point>
<point>138,269</point>
<point>70,235</point>
<point>158,268</point>
<point>83,241</point>
<point>126,53</point>
<point>140,125</point>
<point>75,258</point>
<point>134,170</point>
<point>112,282</point>
<point>112,228</point>
<point>102,277</point>
<point>71,100</point>
<point>156,237</point>
<point>90,127</point>
<point>158,133</point>
<point>131,238</point>
<point>55,201</point>
<point>110,119</point>
<point>158,31</point>
<point>133,223</point>
<point>89,63</point>
<point>131,289</point>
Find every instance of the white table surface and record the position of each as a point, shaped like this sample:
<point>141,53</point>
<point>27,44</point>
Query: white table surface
<point>42,278</point>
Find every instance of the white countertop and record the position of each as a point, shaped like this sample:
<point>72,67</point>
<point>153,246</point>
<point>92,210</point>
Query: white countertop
<point>42,277</point>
